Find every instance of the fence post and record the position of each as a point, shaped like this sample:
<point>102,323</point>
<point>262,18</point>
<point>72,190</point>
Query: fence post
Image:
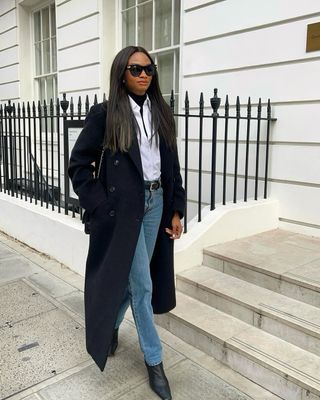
<point>247,151</point>
<point>225,156</point>
<point>267,148</point>
<point>1,145</point>
<point>257,151</point>
<point>64,105</point>
<point>215,104</point>
<point>201,106</point>
<point>186,137</point>
<point>236,151</point>
<point>8,110</point>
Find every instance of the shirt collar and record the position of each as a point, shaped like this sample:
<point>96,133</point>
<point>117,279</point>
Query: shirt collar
<point>135,106</point>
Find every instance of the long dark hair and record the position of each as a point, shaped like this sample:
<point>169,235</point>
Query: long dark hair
<point>120,125</point>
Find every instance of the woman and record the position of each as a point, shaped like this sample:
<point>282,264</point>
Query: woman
<point>135,206</point>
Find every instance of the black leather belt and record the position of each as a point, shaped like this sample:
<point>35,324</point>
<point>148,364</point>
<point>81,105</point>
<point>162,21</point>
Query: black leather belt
<point>152,185</point>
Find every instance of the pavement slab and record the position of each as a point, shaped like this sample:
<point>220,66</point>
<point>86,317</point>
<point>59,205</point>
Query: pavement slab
<point>16,268</point>
<point>122,373</point>
<point>202,385</point>
<point>50,284</point>
<point>38,348</point>
<point>6,251</point>
<point>19,302</point>
<point>74,301</point>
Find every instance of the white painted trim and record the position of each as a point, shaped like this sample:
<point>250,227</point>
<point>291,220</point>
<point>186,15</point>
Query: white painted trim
<point>57,235</point>
<point>62,237</point>
<point>225,223</point>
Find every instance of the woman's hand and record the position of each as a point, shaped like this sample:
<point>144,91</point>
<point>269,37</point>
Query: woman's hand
<point>177,228</point>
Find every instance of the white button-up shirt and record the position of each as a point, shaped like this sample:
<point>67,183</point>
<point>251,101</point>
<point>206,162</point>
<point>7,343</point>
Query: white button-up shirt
<point>149,151</point>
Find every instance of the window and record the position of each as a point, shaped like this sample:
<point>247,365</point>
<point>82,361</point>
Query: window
<point>155,25</point>
<point>45,52</point>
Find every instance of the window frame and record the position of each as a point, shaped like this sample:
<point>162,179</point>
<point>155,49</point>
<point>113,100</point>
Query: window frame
<point>43,76</point>
<point>156,52</point>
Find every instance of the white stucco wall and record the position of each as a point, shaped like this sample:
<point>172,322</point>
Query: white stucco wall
<point>9,51</point>
<point>258,49</point>
<point>86,35</point>
<point>62,237</point>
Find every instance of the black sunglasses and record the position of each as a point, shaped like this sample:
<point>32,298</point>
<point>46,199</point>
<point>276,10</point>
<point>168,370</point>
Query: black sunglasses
<point>136,69</point>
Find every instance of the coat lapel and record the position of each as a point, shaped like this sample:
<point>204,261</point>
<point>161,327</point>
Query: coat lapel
<point>134,153</point>
<point>165,155</point>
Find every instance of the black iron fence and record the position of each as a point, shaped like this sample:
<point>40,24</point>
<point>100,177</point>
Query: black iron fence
<point>238,156</point>
<point>224,159</point>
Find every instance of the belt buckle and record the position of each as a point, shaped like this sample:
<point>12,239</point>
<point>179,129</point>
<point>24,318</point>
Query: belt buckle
<point>154,186</point>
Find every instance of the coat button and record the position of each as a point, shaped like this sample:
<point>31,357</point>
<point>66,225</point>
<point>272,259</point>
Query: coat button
<point>116,163</point>
<point>112,213</point>
<point>112,189</point>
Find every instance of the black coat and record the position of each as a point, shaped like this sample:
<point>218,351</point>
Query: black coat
<point>115,204</point>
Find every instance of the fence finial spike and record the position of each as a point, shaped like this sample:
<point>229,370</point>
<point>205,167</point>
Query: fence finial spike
<point>238,107</point>
<point>8,108</point>
<point>172,100</point>
<point>215,101</point>
<point>249,107</point>
<point>269,109</point>
<point>259,108</point>
<point>186,102</point>
<point>87,104</point>
<point>45,106</point>
<point>64,104</point>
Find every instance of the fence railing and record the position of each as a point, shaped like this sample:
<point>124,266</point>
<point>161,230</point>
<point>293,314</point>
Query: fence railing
<point>224,157</point>
<point>232,152</point>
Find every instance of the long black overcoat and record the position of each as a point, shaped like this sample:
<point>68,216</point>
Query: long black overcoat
<point>115,204</point>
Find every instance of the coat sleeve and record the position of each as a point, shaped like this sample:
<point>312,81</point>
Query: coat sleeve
<point>179,196</point>
<point>87,150</point>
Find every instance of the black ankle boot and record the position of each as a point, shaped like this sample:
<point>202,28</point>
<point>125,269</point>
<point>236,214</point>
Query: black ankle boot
<point>114,343</point>
<point>158,381</point>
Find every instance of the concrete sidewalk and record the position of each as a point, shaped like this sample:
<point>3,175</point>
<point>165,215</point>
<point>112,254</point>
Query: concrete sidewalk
<point>42,344</point>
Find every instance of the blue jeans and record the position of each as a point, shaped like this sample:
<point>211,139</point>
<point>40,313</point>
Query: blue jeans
<point>139,291</point>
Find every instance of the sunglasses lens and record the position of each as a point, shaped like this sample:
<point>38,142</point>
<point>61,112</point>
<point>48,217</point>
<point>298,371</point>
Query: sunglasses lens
<point>150,70</point>
<point>136,70</point>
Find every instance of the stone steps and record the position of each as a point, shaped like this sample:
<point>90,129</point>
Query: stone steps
<point>281,261</point>
<point>278,366</point>
<point>291,320</point>
<point>254,305</point>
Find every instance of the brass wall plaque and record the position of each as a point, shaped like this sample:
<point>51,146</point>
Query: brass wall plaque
<point>313,37</point>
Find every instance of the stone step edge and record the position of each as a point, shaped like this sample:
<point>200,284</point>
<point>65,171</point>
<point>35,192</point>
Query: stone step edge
<point>231,377</point>
<point>239,347</point>
<point>291,278</point>
<point>295,322</point>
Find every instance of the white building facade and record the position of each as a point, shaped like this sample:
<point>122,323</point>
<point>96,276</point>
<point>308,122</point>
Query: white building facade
<point>243,48</point>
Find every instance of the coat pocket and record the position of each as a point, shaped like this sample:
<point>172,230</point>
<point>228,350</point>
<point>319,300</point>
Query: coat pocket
<point>99,213</point>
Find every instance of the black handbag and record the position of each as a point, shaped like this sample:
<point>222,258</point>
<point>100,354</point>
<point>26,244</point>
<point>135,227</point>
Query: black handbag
<point>86,216</point>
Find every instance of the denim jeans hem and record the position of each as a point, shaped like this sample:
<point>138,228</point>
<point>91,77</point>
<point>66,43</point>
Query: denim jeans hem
<point>153,363</point>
